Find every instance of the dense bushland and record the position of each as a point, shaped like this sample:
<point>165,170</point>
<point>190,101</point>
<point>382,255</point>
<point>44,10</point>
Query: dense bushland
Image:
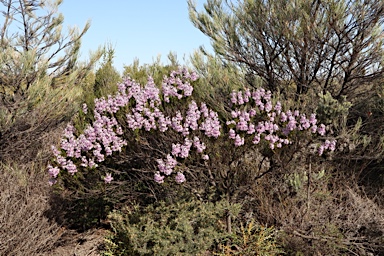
<point>271,147</point>
<point>299,182</point>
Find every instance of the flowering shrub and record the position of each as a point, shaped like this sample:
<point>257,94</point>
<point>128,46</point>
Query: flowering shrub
<point>256,118</point>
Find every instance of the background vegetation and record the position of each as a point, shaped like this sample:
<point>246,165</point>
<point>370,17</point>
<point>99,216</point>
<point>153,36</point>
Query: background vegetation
<point>322,57</point>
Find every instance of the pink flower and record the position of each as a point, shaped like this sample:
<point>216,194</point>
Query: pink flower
<point>52,182</point>
<point>171,162</point>
<point>321,129</point>
<point>305,123</point>
<point>232,134</point>
<point>71,167</point>
<point>205,157</point>
<point>312,119</point>
<point>200,146</point>
<point>176,149</point>
<point>251,129</point>
<point>180,178</point>
<point>268,106</point>
<point>283,117</point>
<point>234,97</point>
<point>85,108</point>
<point>239,140</point>
<point>53,171</point>
<point>242,125</point>
<point>320,150</point>
<point>235,114</point>
<point>158,178</point>
<point>256,139</point>
<point>108,178</point>
<point>55,151</point>
<point>332,146</point>
<point>314,128</point>
<point>240,100</point>
<point>184,153</point>
<point>278,107</point>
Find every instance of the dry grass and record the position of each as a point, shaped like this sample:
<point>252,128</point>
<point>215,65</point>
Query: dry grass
<point>27,226</point>
<point>322,217</point>
<point>24,230</point>
<point>79,244</point>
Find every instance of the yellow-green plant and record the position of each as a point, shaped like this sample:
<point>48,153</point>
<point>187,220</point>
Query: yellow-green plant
<point>251,239</point>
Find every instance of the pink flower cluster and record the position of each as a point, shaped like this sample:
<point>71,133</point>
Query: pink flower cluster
<point>196,118</point>
<point>98,140</point>
<point>327,145</point>
<point>103,137</point>
<point>256,115</point>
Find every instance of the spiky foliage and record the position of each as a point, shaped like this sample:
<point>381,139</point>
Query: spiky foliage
<point>33,45</point>
<point>186,228</point>
<point>252,239</point>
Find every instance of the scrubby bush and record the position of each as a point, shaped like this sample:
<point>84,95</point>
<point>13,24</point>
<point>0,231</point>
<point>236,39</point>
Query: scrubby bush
<point>317,212</point>
<point>188,227</point>
<point>326,57</point>
<point>291,187</point>
<point>41,84</point>
<point>324,46</point>
<point>106,77</point>
<point>192,148</point>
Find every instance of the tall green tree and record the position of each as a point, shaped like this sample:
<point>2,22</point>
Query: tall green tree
<point>325,45</point>
<point>33,44</point>
<point>42,80</point>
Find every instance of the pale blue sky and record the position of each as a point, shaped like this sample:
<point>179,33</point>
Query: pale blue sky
<point>136,28</point>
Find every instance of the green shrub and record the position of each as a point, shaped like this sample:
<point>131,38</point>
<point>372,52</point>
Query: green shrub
<point>333,111</point>
<point>188,227</point>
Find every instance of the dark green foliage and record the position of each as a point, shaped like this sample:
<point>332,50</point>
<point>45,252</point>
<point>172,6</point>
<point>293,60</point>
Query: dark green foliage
<point>184,228</point>
<point>84,201</point>
<point>107,77</point>
<point>331,111</point>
